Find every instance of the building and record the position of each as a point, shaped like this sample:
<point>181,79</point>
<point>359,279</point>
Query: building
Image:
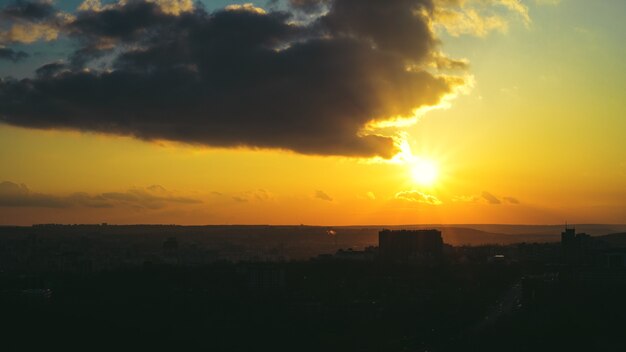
<point>576,248</point>
<point>410,245</point>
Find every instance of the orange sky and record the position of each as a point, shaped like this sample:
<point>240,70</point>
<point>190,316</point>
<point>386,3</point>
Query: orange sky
<point>534,134</point>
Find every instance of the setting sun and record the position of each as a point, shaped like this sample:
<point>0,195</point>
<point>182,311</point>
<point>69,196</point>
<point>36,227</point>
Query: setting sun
<point>424,172</point>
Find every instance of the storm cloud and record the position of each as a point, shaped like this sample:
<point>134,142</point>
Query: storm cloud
<point>28,10</point>
<point>239,77</point>
<point>12,55</point>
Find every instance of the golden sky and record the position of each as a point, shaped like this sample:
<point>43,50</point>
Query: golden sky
<point>532,133</point>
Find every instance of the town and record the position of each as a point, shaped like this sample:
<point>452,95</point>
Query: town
<point>410,290</point>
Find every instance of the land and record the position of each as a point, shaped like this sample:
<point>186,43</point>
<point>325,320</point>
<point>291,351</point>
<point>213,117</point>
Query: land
<point>284,288</point>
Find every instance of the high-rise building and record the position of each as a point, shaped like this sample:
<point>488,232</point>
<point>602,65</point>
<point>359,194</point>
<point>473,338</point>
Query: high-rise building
<point>410,245</point>
<point>576,248</point>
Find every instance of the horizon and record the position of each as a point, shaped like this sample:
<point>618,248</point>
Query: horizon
<point>317,225</point>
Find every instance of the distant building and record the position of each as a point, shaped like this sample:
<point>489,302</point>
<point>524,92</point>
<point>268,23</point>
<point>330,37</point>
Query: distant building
<point>577,248</point>
<point>410,245</point>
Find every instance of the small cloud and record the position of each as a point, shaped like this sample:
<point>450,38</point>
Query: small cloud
<point>156,188</point>
<point>419,197</point>
<point>323,196</point>
<point>490,198</point>
<point>240,199</point>
<point>259,195</point>
<point>18,195</point>
<point>246,7</point>
<point>12,55</point>
<point>262,195</point>
<point>510,200</point>
<point>153,197</point>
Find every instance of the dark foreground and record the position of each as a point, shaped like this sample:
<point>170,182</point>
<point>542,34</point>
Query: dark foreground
<point>316,306</point>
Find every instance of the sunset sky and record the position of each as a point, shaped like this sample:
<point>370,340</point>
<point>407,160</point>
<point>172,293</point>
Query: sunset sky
<point>322,112</point>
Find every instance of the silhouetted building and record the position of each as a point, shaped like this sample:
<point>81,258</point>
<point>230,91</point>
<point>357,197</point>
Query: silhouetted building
<point>410,245</point>
<point>577,248</point>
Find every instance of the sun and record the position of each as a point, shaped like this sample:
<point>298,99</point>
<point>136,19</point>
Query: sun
<point>424,172</point>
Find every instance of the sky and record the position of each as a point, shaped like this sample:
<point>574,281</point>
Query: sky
<point>321,112</point>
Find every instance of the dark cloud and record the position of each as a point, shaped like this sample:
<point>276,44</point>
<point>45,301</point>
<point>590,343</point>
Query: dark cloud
<point>123,22</point>
<point>28,10</point>
<point>490,198</point>
<point>153,197</point>
<point>239,77</point>
<point>18,195</point>
<point>12,55</point>
<point>31,21</point>
<point>49,70</point>
<point>323,196</point>
<point>395,26</point>
<point>308,6</point>
<point>99,31</point>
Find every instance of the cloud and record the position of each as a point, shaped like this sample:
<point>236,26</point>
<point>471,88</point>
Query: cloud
<point>28,10</point>
<point>307,6</point>
<point>170,7</point>
<point>153,197</point>
<point>12,55</point>
<point>259,195</point>
<point>18,195</point>
<point>419,197</point>
<point>242,77</point>
<point>511,200</point>
<point>246,7</point>
<point>490,198</point>
<point>485,197</point>
<point>24,21</point>
<point>477,17</point>
<point>323,196</point>
<point>518,7</point>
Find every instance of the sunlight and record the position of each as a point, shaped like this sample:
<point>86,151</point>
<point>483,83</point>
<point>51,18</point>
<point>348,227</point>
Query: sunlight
<point>424,172</point>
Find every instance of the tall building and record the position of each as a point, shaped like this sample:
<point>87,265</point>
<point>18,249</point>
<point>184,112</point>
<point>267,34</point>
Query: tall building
<point>576,248</point>
<point>410,245</point>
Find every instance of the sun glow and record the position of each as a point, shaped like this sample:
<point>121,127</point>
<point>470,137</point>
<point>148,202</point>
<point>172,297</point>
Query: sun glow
<point>424,172</point>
